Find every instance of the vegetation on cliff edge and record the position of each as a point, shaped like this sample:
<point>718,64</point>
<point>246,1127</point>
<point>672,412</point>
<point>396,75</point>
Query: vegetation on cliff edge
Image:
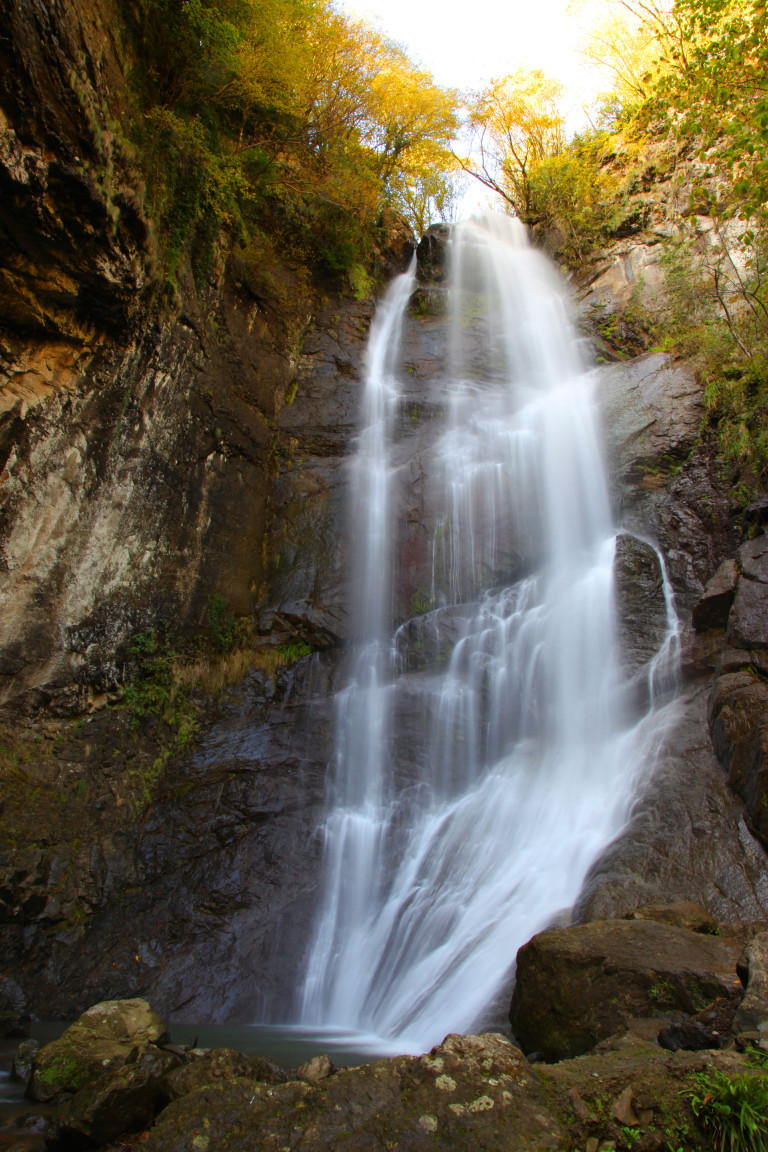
<point>284,118</point>
<point>688,106</point>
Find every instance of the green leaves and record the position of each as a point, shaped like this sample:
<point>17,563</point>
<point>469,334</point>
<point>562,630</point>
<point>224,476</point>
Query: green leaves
<point>284,113</point>
<point>721,92</point>
<point>736,1107</point>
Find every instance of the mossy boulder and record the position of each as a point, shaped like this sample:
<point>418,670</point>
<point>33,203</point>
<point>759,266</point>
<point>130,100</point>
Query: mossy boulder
<point>468,1093</point>
<point>577,986</point>
<point>202,1068</point>
<point>104,1038</point>
<point>123,1100</point>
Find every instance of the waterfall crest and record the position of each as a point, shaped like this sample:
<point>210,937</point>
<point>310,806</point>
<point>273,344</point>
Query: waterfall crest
<point>433,879</point>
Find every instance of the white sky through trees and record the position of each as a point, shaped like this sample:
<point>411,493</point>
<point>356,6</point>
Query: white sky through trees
<point>466,45</point>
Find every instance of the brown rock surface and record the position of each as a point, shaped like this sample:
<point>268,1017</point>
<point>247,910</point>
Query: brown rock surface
<point>687,839</point>
<point>576,986</point>
<point>468,1093</point>
<point>640,601</point>
<point>686,915</point>
<point>738,720</point>
<point>753,557</point>
<point>748,621</point>
<point>711,610</point>
<point>104,1039</point>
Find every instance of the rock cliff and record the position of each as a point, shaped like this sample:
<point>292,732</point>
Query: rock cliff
<point>157,453</point>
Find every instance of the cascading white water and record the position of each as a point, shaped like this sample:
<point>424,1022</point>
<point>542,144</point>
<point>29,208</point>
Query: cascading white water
<point>433,883</point>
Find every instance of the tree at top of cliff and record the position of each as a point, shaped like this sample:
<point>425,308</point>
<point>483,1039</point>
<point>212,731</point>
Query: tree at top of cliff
<point>514,123</point>
<point>282,109</point>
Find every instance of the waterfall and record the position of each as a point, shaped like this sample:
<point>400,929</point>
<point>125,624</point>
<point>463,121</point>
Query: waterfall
<point>442,861</point>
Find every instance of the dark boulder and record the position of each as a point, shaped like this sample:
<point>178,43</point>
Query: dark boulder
<point>690,1036</point>
<point>122,1101</point>
<point>738,723</point>
<point>711,610</point>
<point>577,986</point>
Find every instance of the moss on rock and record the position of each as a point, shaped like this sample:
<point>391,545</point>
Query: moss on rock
<point>104,1039</point>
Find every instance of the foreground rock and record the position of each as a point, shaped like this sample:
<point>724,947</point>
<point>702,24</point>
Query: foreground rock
<point>220,1064</point>
<point>468,1093</point>
<point>124,1100</point>
<point>577,986</point>
<point>752,1013</point>
<point>104,1039</point>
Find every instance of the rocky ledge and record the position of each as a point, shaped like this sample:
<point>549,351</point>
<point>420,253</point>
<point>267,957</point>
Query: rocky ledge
<point>635,1031</point>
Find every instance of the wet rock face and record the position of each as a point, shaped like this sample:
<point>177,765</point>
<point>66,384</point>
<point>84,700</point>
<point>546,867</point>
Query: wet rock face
<point>306,541</point>
<point>711,610</point>
<point>641,604</point>
<point>136,446</point>
<point>432,253</point>
<point>687,838</point>
<point>651,412</point>
<point>135,495</point>
<point>139,452</point>
<point>227,856</point>
<point>73,258</point>
<point>667,484</point>
<point>746,623</point>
